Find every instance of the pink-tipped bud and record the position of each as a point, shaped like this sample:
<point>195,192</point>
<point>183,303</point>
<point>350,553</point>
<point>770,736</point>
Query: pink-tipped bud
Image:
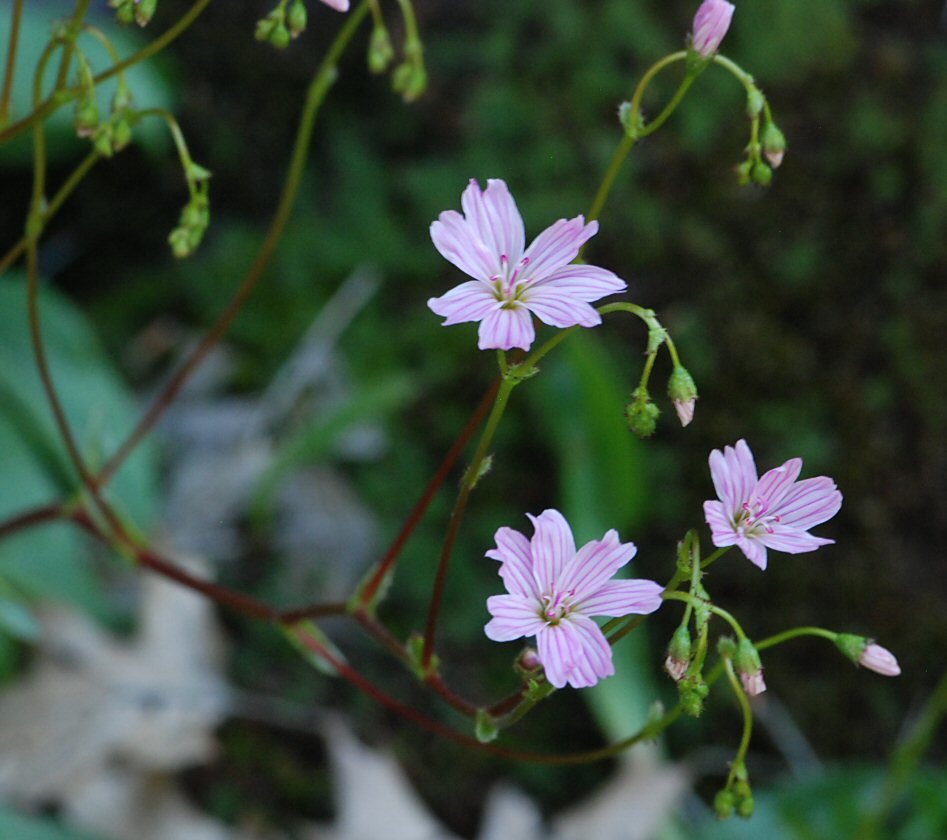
<point>710,26</point>
<point>676,668</point>
<point>753,683</point>
<point>880,660</point>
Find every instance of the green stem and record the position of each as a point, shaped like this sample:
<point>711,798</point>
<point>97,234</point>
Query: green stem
<point>10,69</point>
<point>73,28</point>
<point>52,207</point>
<point>740,758</point>
<point>795,633</point>
<point>628,141</point>
<point>718,611</point>
<point>715,556</point>
<point>457,515</point>
<point>315,96</point>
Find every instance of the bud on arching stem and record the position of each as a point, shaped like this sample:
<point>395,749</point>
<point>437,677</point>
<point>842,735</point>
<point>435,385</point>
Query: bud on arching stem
<point>642,414</point>
<point>679,654</point>
<point>683,394</point>
<point>774,144</point>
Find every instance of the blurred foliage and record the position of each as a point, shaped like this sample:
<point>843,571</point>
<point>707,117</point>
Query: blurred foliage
<point>812,316</point>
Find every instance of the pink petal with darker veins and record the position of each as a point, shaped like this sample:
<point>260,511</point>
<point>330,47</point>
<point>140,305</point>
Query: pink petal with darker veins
<point>558,245</point>
<point>494,218</point>
<point>516,564</point>
<point>470,301</point>
<point>513,618</point>
<point>809,503</point>
<point>552,547</point>
<point>459,244</point>
<point>594,564</point>
<point>587,283</point>
<point>623,597</point>
<point>504,329</point>
<point>559,310</point>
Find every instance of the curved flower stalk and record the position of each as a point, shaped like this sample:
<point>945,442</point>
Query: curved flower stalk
<point>774,511</point>
<point>553,592</point>
<point>511,284</point>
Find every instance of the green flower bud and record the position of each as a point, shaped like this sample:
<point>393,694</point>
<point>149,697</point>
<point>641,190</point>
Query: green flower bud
<point>754,102</point>
<point>851,645</point>
<point>410,80</point>
<point>102,141</point>
<point>743,172</point>
<point>745,807</point>
<point>144,11</point>
<point>122,135</point>
<point>122,99</point>
<point>180,246</point>
<point>679,654</point>
<point>380,51</point>
<point>87,117</point>
<point>683,394</point>
<point>774,144</point>
<point>724,804</point>
<point>296,19</point>
<point>280,37</point>
<point>125,14</point>
<point>264,28</point>
<point>761,174</point>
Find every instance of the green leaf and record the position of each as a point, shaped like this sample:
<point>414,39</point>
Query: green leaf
<point>17,620</point>
<point>49,560</point>
<point>149,87</point>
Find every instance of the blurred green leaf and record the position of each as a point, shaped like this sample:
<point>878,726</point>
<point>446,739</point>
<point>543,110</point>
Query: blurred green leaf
<point>149,87</point>
<point>49,560</point>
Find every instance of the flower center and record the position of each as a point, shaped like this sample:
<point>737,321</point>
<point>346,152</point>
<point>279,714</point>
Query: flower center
<point>556,606</point>
<point>753,518</point>
<point>510,283</point>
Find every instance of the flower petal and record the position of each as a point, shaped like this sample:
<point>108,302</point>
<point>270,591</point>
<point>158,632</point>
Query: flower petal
<point>504,329</point>
<point>516,569</point>
<point>809,503</point>
<point>493,216</point>
<point>623,597</point>
<point>774,485</point>
<point>470,301</point>
<point>559,648</point>
<point>513,618</point>
<point>557,246</point>
<point>458,243</point>
<point>558,309</point>
<point>595,662</point>
<point>792,540</point>
<point>596,562</point>
<point>338,5</point>
<point>552,547</point>
<point>721,527</point>
<point>583,282</point>
<point>734,475</point>
<point>755,551</point>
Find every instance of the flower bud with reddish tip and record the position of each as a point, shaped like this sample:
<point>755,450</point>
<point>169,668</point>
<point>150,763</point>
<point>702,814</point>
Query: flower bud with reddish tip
<point>683,394</point>
<point>679,654</point>
<point>749,668</point>
<point>880,660</point>
<point>774,144</point>
<point>710,26</point>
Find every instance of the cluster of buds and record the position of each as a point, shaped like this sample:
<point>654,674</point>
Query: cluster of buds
<point>134,11</point>
<point>737,796</point>
<point>115,134</point>
<point>286,22</point>
<point>195,216</point>
<point>641,413</point>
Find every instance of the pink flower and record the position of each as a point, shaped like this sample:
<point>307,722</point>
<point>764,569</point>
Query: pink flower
<point>553,591</point>
<point>338,5</point>
<point>775,511</point>
<point>511,285</point>
<point>880,660</point>
<point>710,26</point>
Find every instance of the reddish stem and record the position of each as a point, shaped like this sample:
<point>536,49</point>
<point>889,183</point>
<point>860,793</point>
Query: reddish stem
<point>29,518</point>
<point>368,593</point>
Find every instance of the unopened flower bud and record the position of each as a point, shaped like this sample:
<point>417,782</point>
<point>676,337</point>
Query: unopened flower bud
<point>749,668</point>
<point>743,172</point>
<point>679,654</point>
<point>102,141</point>
<point>710,26</point>
<point>683,394</point>
<point>264,28</point>
<point>87,117</point>
<point>724,804</point>
<point>410,80</point>
<point>527,663</point>
<point>296,19</point>
<point>280,37</point>
<point>755,101</point>
<point>761,174</point>
<point>380,51</point>
<point>122,135</point>
<point>774,144</point>
<point>745,807</point>
<point>880,660</point>
<point>125,14</point>
<point>144,11</point>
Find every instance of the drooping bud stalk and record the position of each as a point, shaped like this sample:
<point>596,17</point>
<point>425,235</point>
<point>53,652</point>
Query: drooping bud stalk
<point>380,50</point>
<point>710,26</point>
<point>749,668</point>
<point>683,394</point>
